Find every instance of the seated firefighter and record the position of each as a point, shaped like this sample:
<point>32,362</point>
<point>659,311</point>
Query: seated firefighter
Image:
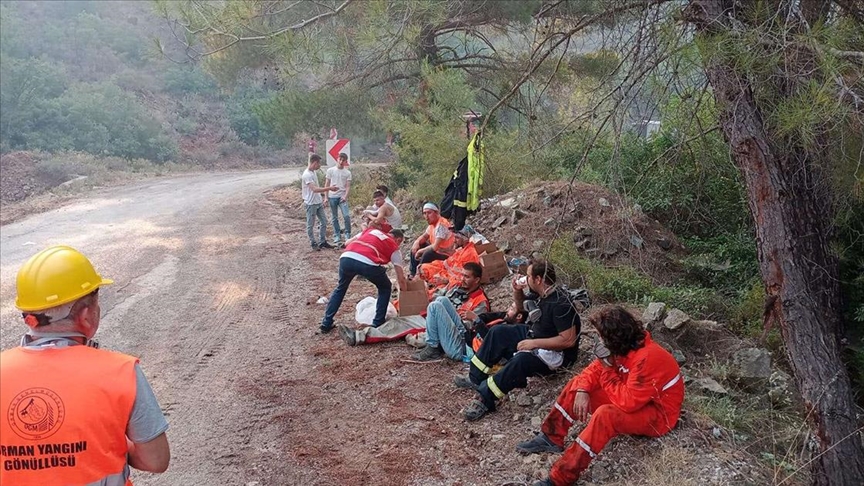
<point>482,323</point>
<point>633,387</point>
<point>443,273</point>
<point>548,342</point>
<point>467,295</point>
<point>436,243</point>
<point>446,326</point>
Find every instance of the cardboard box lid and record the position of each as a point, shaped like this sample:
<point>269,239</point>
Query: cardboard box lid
<point>495,259</point>
<point>485,248</point>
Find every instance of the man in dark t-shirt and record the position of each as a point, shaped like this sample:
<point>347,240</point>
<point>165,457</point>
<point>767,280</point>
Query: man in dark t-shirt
<point>548,341</point>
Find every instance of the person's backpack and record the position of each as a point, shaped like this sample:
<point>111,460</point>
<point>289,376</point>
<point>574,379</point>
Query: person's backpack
<point>579,298</point>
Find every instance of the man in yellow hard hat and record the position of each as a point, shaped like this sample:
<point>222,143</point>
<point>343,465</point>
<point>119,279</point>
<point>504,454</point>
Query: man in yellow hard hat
<point>73,413</point>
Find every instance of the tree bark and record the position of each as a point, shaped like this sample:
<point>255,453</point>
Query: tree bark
<point>796,264</point>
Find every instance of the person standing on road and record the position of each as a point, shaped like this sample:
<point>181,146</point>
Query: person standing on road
<point>74,414</point>
<point>314,203</point>
<point>313,146</point>
<point>367,255</point>
<point>339,177</point>
<point>633,387</point>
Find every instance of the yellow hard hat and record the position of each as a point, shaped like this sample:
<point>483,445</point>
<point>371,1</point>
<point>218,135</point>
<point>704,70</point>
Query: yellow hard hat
<point>56,276</point>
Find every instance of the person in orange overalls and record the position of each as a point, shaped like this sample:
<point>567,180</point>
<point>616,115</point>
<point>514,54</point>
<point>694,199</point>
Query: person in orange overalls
<point>448,273</point>
<point>633,387</point>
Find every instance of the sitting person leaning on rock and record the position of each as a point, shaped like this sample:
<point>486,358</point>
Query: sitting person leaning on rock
<point>550,341</point>
<point>633,387</point>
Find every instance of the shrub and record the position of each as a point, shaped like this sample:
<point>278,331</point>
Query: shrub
<point>625,284</point>
<point>186,80</point>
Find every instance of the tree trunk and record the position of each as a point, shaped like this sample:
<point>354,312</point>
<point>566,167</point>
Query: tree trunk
<point>797,266</point>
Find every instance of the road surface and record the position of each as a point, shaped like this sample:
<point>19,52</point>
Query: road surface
<point>198,282</point>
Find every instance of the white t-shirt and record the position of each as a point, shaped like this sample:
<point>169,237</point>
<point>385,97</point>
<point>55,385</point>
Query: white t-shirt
<point>395,219</point>
<point>310,197</point>
<point>339,178</point>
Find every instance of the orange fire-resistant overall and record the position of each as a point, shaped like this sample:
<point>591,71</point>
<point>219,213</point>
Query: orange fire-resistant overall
<point>65,412</point>
<point>640,394</point>
<point>443,273</point>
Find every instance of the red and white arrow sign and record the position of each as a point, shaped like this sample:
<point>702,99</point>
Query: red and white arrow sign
<point>335,147</point>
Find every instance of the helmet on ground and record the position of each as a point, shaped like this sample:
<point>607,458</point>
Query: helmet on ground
<point>56,276</point>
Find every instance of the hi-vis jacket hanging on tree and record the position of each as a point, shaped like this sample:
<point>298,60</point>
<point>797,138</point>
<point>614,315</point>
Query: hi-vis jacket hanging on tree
<point>462,196</point>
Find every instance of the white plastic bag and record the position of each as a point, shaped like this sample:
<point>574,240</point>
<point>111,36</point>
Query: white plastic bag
<point>366,311</point>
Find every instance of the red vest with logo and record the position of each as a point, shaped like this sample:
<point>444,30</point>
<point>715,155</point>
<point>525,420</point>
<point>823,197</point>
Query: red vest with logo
<point>375,245</point>
<point>65,412</point>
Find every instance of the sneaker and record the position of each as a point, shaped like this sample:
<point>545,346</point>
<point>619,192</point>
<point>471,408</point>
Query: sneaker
<point>324,244</point>
<point>464,382</point>
<point>348,335</point>
<point>315,247</point>
<point>322,329</point>
<point>429,353</point>
<point>540,443</point>
<point>475,411</point>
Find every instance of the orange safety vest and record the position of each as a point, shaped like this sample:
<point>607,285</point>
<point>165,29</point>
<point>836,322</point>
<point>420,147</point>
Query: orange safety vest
<point>446,246</point>
<point>65,412</point>
<point>475,299</point>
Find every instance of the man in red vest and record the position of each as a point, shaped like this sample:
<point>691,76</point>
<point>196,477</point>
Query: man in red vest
<point>633,387</point>
<point>74,414</point>
<point>367,255</point>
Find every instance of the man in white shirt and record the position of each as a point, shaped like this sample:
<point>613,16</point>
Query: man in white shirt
<point>340,177</point>
<point>395,218</point>
<point>313,203</point>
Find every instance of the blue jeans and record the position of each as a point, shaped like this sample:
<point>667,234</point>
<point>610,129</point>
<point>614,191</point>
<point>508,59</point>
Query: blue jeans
<point>313,211</point>
<point>444,327</point>
<point>348,269</point>
<point>336,204</point>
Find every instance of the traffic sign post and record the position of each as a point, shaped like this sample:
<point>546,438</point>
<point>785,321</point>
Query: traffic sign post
<point>335,147</point>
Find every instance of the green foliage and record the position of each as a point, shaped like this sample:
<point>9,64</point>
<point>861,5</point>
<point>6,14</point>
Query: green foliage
<point>185,80</point>
<point>597,64</point>
<point>242,111</point>
<point>23,84</point>
<point>296,110</point>
<point>626,284</point>
<point>726,262</point>
<point>78,120</point>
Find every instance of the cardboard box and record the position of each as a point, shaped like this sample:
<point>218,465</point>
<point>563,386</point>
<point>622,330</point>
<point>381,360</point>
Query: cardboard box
<point>494,267</point>
<point>414,299</point>
<point>485,248</point>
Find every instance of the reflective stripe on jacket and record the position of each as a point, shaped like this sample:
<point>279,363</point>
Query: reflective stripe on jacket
<point>65,410</point>
<point>647,374</point>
